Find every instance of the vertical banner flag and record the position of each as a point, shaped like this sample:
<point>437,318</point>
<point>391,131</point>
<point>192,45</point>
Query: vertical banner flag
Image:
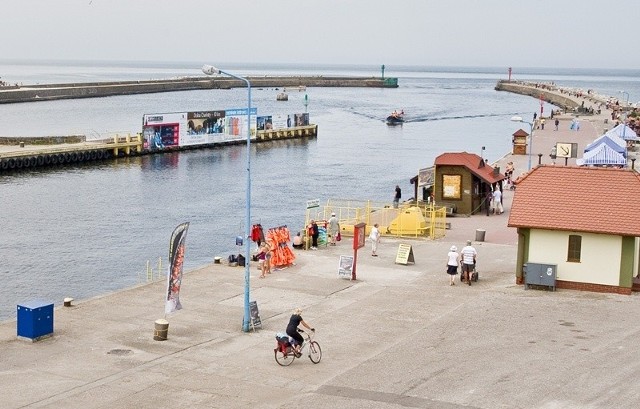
<point>174,275</point>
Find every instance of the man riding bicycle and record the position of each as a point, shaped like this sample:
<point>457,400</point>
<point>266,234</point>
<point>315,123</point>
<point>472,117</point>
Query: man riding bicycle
<point>292,330</point>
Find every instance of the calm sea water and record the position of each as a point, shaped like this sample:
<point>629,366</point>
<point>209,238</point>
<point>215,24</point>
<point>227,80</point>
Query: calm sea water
<point>89,230</point>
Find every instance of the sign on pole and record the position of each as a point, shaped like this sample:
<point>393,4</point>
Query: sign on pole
<point>313,203</point>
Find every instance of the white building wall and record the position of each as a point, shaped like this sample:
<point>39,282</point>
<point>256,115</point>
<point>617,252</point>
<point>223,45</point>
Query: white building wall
<point>599,261</point>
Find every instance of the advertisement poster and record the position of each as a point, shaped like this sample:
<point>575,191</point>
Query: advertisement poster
<point>176,262</point>
<point>264,123</point>
<point>345,267</point>
<point>236,123</point>
<point>161,131</point>
<point>282,121</point>
<point>178,129</point>
<point>301,119</point>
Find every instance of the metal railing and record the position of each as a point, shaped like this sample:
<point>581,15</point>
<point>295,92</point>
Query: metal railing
<point>410,219</point>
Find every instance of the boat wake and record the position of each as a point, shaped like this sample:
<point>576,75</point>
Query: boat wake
<point>426,118</point>
<point>445,118</point>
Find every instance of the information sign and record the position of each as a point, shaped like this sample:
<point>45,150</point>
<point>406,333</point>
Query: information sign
<point>255,315</point>
<point>405,254</point>
<point>345,267</point>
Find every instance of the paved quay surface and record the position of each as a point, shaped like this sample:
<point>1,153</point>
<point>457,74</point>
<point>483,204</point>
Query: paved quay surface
<point>398,337</point>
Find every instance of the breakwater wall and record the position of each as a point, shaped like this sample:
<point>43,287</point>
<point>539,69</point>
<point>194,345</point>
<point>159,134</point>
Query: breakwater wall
<point>548,93</point>
<point>47,92</point>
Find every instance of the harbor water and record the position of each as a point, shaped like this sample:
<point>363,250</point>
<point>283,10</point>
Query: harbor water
<point>88,230</point>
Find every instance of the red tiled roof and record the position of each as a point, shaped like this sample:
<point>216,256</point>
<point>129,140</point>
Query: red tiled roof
<point>470,161</point>
<point>520,132</point>
<point>585,199</point>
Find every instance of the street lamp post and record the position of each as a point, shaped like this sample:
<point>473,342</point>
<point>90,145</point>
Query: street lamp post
<point>627,99</point>
<point>211,70</point>
<point>519,119</point>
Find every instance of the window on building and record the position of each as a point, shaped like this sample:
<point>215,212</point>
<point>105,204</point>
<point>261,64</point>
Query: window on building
<point>575,248</point>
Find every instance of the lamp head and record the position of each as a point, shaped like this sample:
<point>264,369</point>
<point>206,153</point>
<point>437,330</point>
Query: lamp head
<point>210,69</point>
<point>517,119</point>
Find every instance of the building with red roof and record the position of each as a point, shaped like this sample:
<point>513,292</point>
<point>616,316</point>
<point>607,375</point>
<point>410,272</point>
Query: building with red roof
<point>463,181</point>
<point>582,219</point>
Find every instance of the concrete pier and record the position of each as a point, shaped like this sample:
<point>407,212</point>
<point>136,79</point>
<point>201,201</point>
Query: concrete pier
<point>17,154</point>
<point>47,92</point>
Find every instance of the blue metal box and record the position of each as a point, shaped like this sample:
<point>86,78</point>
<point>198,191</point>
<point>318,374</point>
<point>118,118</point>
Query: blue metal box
<point>35,319</point>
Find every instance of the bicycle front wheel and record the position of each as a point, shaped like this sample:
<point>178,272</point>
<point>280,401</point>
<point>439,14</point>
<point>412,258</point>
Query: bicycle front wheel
<point>283,359</point>
<point>315,353</point>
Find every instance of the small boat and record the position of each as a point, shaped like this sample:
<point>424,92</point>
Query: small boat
<point>282,97</point>
<point>396,118</point>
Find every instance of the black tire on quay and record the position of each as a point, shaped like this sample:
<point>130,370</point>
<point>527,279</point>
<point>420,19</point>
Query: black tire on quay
<point>47,160</point>
<point>4,164</point>
<point>67,157</point>
<point>60,158</point>
<point>12,163</point>
<point>74,156</point>
<point>94,155</point>
<point>19,163</point>
<point>54,159</point>
<point>100,155</point>
<point>40,160</point>
<point>33,161</point>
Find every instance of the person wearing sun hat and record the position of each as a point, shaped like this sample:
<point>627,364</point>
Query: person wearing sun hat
<point>452,264</point>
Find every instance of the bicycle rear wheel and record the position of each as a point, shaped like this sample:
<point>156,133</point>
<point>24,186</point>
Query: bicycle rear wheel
<point>315,353</point>
<point>283,359</point>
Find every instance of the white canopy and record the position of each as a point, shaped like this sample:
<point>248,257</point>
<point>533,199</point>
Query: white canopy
<point>602,154</point>
<point>624,132</point>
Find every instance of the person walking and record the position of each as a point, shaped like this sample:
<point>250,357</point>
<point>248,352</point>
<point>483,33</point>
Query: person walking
<point>557,123</point>
<point>452,264</point>
<point>468,256</point>
<point>262,256</point>
<point>375,239</point>
<point>334,228</point>
<point>267,258</point>
<point>496,202</point>
<point>396,198</point>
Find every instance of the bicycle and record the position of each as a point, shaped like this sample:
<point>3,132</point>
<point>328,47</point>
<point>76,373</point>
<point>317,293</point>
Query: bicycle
<point>285,354</point>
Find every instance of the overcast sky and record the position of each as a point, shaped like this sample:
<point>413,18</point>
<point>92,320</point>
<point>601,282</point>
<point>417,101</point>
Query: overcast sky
<point>494,33</point>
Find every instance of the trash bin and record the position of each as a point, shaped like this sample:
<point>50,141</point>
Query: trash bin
<point>480,234</point>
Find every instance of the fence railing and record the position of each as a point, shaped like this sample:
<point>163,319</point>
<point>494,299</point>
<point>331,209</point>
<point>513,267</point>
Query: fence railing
<point>410,219</point>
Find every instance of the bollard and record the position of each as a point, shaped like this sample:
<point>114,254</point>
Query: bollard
<point>22,144</point>
<point>217,260</point>
<point>68,301</point>
<point>161,330</point>
<point>480,234</point>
